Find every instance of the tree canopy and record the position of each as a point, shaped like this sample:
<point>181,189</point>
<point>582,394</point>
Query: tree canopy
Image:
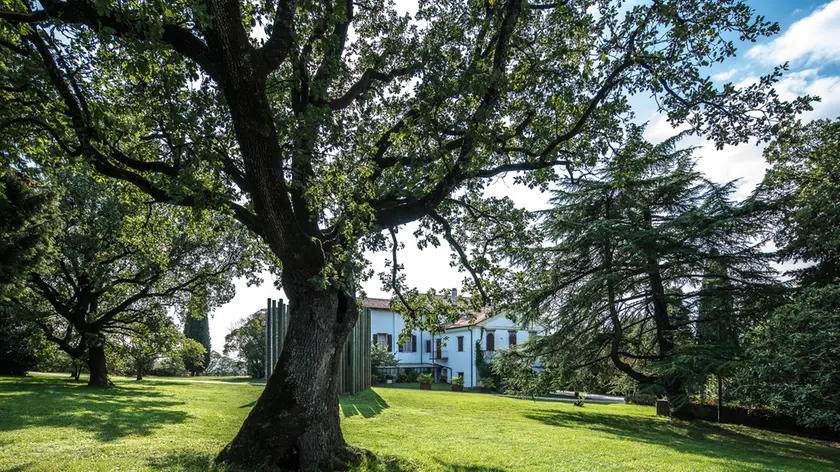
<point>122,261</point>
<point>247,341</point>
<point>27,226</point>
<point>643,253</point>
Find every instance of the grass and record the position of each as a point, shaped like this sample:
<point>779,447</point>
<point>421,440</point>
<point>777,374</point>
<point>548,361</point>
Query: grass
<point>203,378</point>
<point>441,387</point>
<point>49,424</point>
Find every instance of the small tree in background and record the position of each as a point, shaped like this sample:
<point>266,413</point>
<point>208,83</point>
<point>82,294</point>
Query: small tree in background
<point>148,344</point>
<point>379,358</point>
<point>223,365</point>
<point>247,341</point>
<point>197,327</point>
<point>192,353</point>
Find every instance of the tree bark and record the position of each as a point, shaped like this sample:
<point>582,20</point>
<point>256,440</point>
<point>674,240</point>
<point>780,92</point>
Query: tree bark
<point>295,422</point>
<point>98,367</point>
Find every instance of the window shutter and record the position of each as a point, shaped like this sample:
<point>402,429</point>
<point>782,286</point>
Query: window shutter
<point>428,345</point>
<point>413,343</point>
<point>374,340</point>
<point>400,347</point>
<point>512,338</point>
<point>460,344</point>
<point>491,342</point>
<point>390,342</point>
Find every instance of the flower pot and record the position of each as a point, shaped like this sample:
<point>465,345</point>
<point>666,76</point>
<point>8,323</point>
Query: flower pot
<point>457,388</point>
<point>425,386</point>
<point>484,390</point>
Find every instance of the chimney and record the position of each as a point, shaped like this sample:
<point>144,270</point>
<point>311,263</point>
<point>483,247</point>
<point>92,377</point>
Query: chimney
<point>454,294</point>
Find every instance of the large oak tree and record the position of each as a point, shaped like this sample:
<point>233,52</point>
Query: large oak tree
<point>121,264</point>
<point>319,125</point>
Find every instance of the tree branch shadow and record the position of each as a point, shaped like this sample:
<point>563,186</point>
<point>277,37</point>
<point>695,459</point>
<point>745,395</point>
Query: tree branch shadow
<point>757,451</point>
<point>110,413</point>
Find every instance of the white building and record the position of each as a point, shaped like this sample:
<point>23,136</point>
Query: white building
<point>449,354</point>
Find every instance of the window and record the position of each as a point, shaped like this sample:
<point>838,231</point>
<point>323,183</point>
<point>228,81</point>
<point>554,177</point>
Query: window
<point>389,343</point>
<point>428,345</point>
<point>461,374</point>
<point>460,344</point>
<point>491,342</point>
<point>413,343</point>
<point>512,338</point>
<point>380,339</point>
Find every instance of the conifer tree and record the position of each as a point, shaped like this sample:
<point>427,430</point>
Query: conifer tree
<point>624,276</point>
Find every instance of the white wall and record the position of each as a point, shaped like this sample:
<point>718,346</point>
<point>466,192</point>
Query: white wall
<point>386,321</point>
<point>382,321</point>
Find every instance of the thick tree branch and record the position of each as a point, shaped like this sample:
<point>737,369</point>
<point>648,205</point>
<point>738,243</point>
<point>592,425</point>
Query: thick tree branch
<point>277,47</point>
<point>365,82</point>
<point>124,22</point>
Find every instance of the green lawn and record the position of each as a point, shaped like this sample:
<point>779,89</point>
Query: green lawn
<point>443,387</point>
<point>201,378</point>
<point>50,424</point>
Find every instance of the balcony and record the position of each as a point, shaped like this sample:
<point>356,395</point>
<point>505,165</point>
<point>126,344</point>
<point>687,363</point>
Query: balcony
<point>440,354</point>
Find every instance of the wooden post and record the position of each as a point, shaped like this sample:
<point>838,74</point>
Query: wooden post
<point>282,324</point>
<point>662,408</point>
<point>268,340</point>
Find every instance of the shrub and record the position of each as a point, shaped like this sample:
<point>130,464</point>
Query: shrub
<point>458,381</point>
<point>487,383</point>
<point>412,375</point>
<point>641,399</point>
<point>425,378</point>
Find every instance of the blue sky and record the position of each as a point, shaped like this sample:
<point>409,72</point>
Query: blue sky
<point>809,41</point>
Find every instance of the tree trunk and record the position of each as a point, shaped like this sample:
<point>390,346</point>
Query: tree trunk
<point>98,367</point>
<point>295,422</point>
<point>720,397</point>
<point>678,403</point>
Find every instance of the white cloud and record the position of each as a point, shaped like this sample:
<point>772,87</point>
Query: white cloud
<point>744,163</point>
<point>721,76</point>
<point>815,38</point>
<point>810,82</point>
<point>659,129</point>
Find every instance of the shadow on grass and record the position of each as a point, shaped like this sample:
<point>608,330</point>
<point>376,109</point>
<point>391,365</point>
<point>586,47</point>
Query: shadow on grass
<point>451,467</point>
<point>367,404</point>
<point>109,413</point>
<point>758,450</point>
<point>185,461</point>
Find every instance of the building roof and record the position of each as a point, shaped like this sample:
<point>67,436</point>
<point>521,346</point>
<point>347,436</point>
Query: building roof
<point>470,319</point>
<point>377,303</point>
<point>467,320</point>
